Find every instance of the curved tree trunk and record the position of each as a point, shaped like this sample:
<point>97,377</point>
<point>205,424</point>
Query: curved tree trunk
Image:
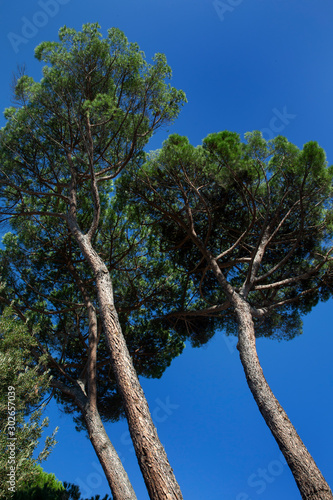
<point>308,477</point>
<point>115,473</point>
<point>153,461</point>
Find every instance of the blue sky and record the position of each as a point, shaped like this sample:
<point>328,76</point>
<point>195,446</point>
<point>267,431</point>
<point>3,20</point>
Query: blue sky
<point>244,65</point>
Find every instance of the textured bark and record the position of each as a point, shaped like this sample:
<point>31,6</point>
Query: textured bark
<point>156,470</point>
<point>115,473</point>
<point>307,475</point>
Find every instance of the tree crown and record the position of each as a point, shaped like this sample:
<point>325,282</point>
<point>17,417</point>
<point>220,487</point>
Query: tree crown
<point>262,210</point>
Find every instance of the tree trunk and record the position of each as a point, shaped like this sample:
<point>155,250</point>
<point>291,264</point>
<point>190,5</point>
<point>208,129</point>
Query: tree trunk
<point>156,470</point>
<point>115,473</point>
<point>308,477</point>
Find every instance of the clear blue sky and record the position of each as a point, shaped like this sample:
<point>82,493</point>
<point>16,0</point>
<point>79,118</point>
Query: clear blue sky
<point>244,65</point>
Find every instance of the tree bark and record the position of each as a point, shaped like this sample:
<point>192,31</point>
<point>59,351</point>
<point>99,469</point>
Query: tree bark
<point>115,473</point>
<point>156,470</point>
<point>307,475</point>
